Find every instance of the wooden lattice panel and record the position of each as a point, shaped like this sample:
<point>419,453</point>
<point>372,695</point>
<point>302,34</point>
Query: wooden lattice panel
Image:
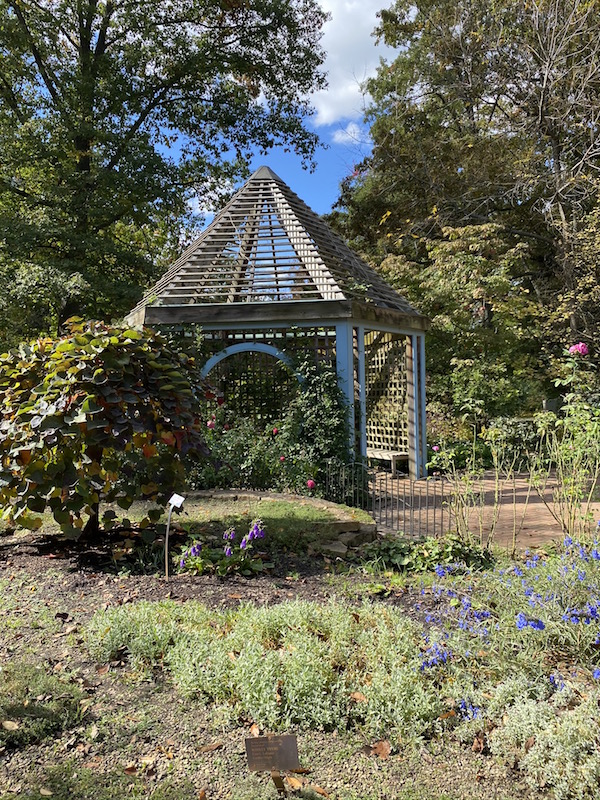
<point>297,343</point>
<point>386,392</point>
<point>255,386</point>
<point>258,386</point>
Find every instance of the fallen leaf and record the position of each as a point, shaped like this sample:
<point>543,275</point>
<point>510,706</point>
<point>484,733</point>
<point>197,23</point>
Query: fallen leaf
<point>9,725</point>
<point>529,743</point>
<point>478,744</point>
<point>46,793</point>
<point>201,795</point>
<point>451,713</point>
<point>231,656</point>
<point>103,669</point>
<point>356,616</point>
<point>318,790</point>
<point>130,769</point>
<point>358,697</point>
<point>208,748</point>
<point>94,731</point>
<point>381,748</point>
<point>254,730</point>
<point>295,783</point>
<point>234,596</point>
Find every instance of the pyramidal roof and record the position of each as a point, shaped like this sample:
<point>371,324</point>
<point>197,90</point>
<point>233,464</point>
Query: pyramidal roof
<point>267,245</point>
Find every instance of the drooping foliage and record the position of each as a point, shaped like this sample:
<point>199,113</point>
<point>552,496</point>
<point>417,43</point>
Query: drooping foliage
<point>114,115</point>
<point>102,414</point>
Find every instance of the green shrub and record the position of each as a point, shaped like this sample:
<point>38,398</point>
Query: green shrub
<point>421,555</point>
<point>283,454</point>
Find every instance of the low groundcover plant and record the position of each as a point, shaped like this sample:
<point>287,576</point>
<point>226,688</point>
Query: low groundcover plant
<point>504,659</point>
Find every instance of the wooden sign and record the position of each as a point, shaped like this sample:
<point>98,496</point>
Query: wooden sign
<point>268,753</point>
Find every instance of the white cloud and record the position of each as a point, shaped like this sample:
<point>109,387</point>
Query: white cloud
<point>352,56</point>
<point>352,134</point>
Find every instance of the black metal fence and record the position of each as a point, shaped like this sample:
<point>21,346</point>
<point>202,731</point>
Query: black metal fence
<point>414,508</point>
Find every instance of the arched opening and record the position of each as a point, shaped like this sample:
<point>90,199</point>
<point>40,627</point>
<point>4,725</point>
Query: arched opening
<point>256,381</point>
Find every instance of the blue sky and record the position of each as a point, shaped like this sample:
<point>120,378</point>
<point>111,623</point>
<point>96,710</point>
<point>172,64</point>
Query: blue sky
<point>352,56</point>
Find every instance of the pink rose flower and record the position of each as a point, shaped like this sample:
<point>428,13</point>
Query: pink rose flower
<point>310,483</point>
<point>436,448</point>
<point>210,424</point>
<point>275,431</point>
<point>580,348</point>
<point>282,459</point>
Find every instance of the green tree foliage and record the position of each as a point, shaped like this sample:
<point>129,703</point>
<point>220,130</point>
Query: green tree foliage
<point>114,114</point>
<point>486,116</point>
<point>483,348</point>
<point>101,414</point>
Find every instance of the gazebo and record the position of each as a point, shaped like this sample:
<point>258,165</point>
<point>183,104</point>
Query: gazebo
<point>268,281</point>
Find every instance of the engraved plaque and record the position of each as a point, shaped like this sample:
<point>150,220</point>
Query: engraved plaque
<point>266,753</point>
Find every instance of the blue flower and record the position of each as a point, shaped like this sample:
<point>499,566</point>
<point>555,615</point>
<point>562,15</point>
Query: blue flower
<point>521,621</point>
<point>596,674</point>
<point>537,624</point>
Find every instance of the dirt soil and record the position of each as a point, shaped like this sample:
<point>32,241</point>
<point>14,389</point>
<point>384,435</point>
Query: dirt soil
<point>145,734</point>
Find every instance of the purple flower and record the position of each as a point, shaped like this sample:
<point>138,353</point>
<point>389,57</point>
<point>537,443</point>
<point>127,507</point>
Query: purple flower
<point>228,551</point>
<point>182,563</point>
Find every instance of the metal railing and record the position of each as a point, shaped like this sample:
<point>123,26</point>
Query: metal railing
<point>414,508</point>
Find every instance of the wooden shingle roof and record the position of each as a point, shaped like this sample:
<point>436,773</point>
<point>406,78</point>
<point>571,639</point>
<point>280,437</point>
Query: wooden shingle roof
<point>267,246</point>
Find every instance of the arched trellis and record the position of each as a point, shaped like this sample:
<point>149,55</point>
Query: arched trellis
<point>248,347</point>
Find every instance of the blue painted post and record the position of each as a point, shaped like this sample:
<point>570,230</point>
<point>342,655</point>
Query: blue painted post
<point>344,362</point>
<point>421,338</point>
<point>362,389</point>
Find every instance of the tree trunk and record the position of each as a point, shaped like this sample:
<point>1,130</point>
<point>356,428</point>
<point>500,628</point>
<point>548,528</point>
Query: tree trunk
<point>91,530</point>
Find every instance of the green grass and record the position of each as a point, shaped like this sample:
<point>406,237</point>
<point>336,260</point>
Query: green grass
<point>289,524</point>
<point>71,781</point>
<point>35,705</point>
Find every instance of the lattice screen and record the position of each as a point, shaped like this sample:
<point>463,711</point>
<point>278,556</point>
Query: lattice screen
<point>254,385</point>
<point>386,391</point>
<point>257,386</point>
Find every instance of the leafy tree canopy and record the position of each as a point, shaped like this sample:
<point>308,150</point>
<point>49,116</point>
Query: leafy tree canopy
<point>479,193</point>
<point>115,114</point>
<point>101,414</point>
<point>483,349</point>
<point>487,114</point>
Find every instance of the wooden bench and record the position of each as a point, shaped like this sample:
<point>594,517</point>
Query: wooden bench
<point>387,455</point>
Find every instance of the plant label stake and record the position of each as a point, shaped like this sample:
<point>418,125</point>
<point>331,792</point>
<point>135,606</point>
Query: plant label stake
<point>176,501</point>
<point>272,754</point>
